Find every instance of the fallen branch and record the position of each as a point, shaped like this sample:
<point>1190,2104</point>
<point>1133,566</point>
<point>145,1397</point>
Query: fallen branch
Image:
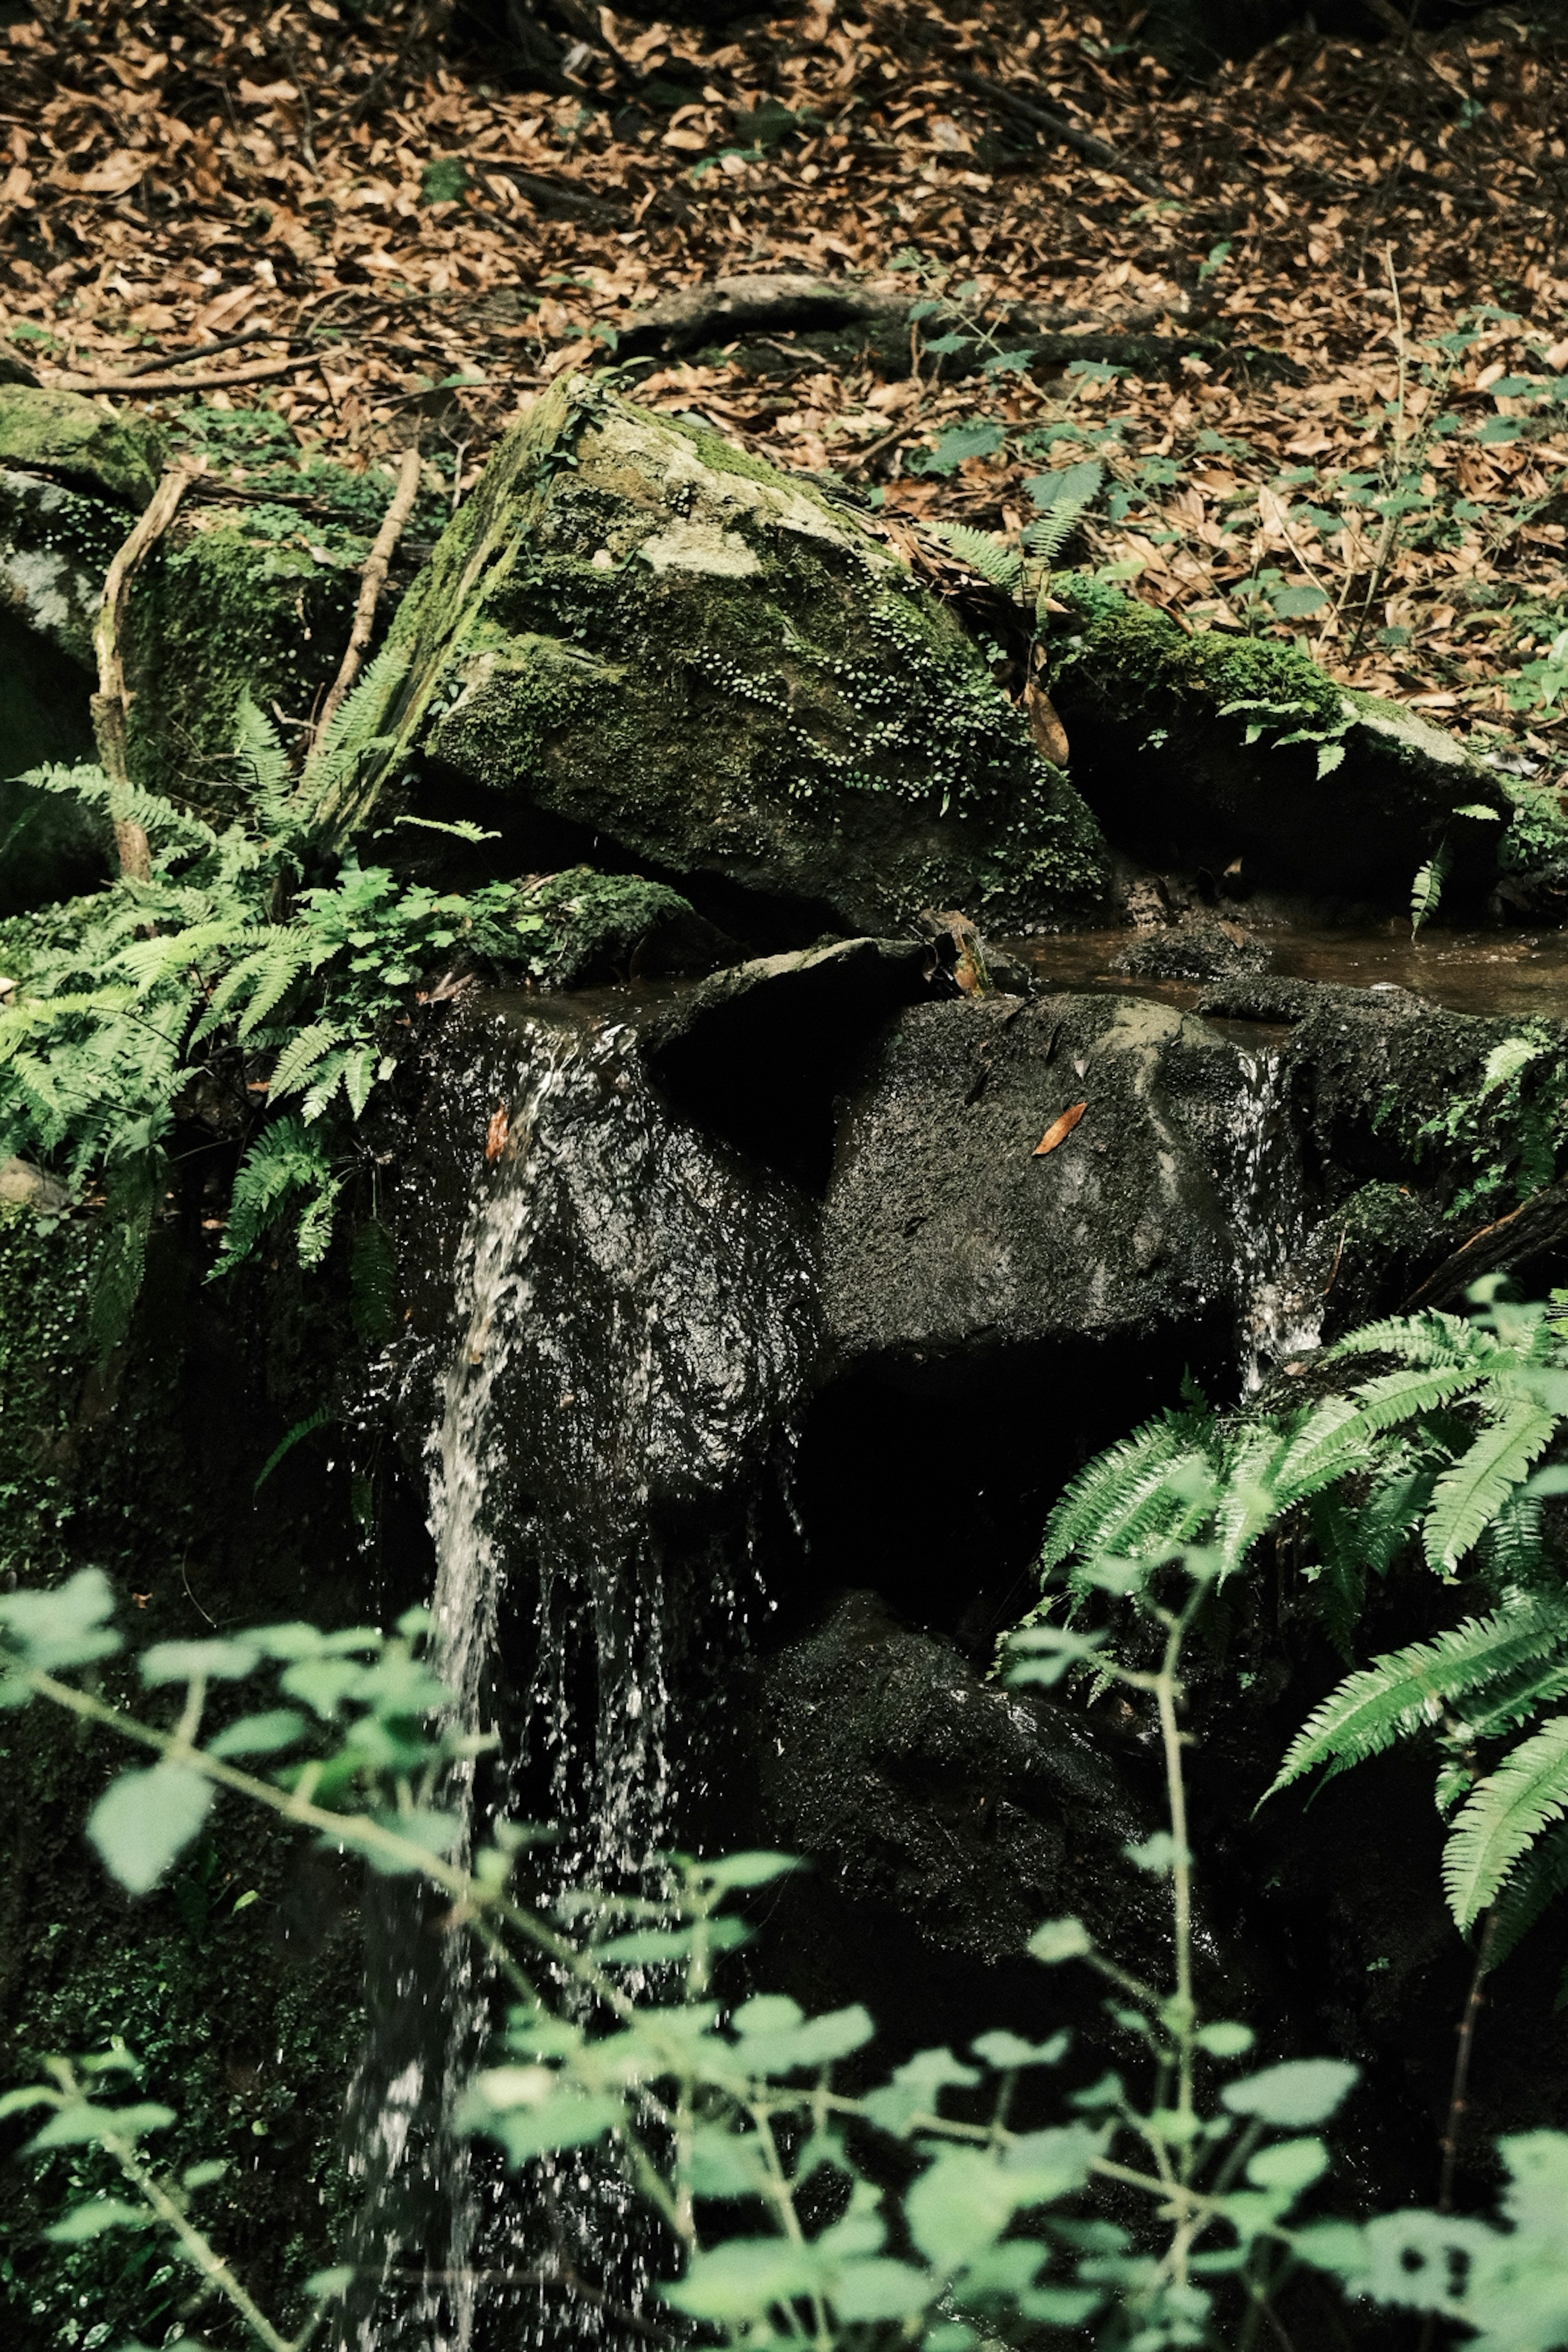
<point>1082,142</point>
<point>373,580</point>
<point>257,371</point>
<point>1537,1225</point>
<point>110,703</point>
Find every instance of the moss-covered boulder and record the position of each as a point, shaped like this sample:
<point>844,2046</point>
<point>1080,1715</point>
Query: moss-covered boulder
<point>1196,751</point>
<point>62,434</point>
<point>639,629</point>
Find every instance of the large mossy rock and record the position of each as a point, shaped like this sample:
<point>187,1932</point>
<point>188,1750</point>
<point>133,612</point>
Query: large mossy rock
<point>1196,751</point>
<point>639,629</point>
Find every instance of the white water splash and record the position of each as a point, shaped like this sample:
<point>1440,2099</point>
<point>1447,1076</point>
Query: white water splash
<point>1279,1310</point>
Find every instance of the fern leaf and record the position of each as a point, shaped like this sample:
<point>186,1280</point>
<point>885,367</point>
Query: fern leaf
<point>1471,1492</point>
<point>1001,565</point>
<point>328,1078</point>
<point>1532,1887</point>
<point>1426,890</point>
<point>359,1076</point>
<point>276,968</point>
<point>1398,1693</point>
<point>304,1050</point>
<point>306,1428</point>
<point>284,1160</point>
<point>1430,1337</point>
<point>1337,1437</point>
<point>1116,1481</point>
<point>354,729</point>
<point>373,1284</point>
<point>272,780</point>
<point>315,1228</point>
<point>1502,1819</point>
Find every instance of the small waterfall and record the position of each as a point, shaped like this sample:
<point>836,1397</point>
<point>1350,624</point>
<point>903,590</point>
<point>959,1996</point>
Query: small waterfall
<point>1279,1309</point>
<point>634,1320</point>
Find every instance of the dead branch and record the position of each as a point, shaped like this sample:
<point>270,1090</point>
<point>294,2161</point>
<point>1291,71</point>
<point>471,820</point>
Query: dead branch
<point>1041,117</point>
<point>373,580</point>
<point>110,703</point>
<point>257,371</point>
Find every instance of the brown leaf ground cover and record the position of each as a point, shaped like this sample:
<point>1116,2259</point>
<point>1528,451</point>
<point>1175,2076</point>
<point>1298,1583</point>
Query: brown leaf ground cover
<point>1332,403</point>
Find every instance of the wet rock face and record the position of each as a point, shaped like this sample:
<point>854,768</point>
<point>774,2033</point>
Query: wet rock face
<point>62,435</point>
<point>972,1810</point>
<point>945,1230</point>
<point>637,628</point>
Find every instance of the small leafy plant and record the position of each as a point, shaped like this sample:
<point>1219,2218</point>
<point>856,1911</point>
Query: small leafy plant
<point>769,2180</point>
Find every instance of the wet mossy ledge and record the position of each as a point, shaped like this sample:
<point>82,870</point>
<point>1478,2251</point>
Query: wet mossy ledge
<point>638,629</point>
<point>1197,750</point>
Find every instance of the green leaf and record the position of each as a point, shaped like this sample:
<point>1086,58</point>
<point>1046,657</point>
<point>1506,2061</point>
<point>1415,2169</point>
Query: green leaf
<point>957,446</point>
<point>1061,1939</point>
<point>1426,890</point>
<point>63,1627</point>
<point>92,2221</point>
<point>1302,2091</point>
<point>740,2280</point>
<point>1471,1492</point>
<point>746,1870</point>
<point>81,2122</point>
<point>319,1419</point>
<point>324,2286</point>
<point>1298,603</point>
<point>259,1734</point>
<point>915,2089</point>
<point>1005,2051</point>
<point>444,181</point>
<point>183,1662</point>
<point>1226,2038</point>
<point>144,1819</point>
<point>1290,2166</point>
<point>1502,1819</point>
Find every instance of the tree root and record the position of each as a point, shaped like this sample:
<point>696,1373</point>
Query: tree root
<point>1537,1225</point>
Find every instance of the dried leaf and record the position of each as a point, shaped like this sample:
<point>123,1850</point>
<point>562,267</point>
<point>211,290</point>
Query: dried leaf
<point>1060,1130</point>
<point>497,1132</point>
<point>1049,734</point>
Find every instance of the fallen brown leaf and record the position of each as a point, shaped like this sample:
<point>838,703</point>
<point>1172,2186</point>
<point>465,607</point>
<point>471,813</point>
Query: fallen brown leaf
<point>1049,734</point>
<point>1060,1130</point>
<point>495,1133</point>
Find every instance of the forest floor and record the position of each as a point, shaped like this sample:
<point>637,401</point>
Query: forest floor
<point>390,234</point>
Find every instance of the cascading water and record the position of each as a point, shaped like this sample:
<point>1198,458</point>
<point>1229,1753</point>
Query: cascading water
<point>1278,1308</point>
<point>634,1321</point>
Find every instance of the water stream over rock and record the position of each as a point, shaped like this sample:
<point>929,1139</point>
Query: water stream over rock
<point>632,1319</point>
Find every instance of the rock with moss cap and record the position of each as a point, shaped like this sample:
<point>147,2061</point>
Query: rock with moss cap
<point>635,627</point>
<point>1196,751</point>
<point>73,440</point>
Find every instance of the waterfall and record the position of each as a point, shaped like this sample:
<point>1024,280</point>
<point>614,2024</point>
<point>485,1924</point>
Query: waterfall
<point>633,1320</point>
<point>1279,1309</point>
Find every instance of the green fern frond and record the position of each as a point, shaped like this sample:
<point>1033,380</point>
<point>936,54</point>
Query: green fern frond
<point>319,1419</point>
<point>354,729</point>
<point>373,1284</point>
<point>1407,1689</point>
<point>1502,1819</point>
<point>1471,1492</point>
<point>256,742</point>
<point>1117,1484</point>
<point>1002,566</point>
<point>1502,1711</point>
<point>301,1056</point>
<point>1532,1887</point>
<point>284,1160</point>
<point>1430,1337</point>
<point>325,1085</point>
<point>271,973</point>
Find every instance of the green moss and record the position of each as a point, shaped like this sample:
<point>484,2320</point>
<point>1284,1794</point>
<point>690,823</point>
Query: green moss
<point>708,663</point>
<point>61,433</point>
<point>225,613</point>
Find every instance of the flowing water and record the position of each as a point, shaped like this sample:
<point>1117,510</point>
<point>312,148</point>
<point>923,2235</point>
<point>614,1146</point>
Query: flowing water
<point>634,1321</point>
<point>1279,1308</point>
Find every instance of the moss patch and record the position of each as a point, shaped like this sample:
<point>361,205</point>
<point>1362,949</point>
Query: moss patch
<point>61,432</point>
<point>724,673</point>
<point>1336,793</point>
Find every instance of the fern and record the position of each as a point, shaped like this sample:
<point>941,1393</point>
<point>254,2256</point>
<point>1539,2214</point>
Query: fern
<point>1470,1494</point>
<point>1537,1881</point>
<point>373,1284</point>
<point>1000,565</point>
<point>1426,890</point>
<point>1407,1690</point>
<point>284,1160</point>
<point>1503,1818</point>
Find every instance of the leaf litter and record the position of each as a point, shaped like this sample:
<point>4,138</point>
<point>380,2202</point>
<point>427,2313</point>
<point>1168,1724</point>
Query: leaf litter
<point>1324,377</point>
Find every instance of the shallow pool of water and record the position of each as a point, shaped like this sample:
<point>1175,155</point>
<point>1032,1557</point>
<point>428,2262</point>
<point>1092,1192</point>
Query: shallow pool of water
<point>1510,972</point>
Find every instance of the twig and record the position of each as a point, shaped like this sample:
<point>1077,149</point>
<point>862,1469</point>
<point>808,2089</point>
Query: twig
<point>372,581</point>
<point>1456,2097</point>
<point>1083,142</point>
<point>1391,520</point>
<point>257,371</point>
<point>168,359</point>
<point>108,704</point>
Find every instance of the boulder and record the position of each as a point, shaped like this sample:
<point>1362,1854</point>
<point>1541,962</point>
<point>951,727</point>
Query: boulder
<point>946,1229</point>
<point>635,627</point>
<point>74,440</point>
<point>969,1812</point>
<point>1195,750</point>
